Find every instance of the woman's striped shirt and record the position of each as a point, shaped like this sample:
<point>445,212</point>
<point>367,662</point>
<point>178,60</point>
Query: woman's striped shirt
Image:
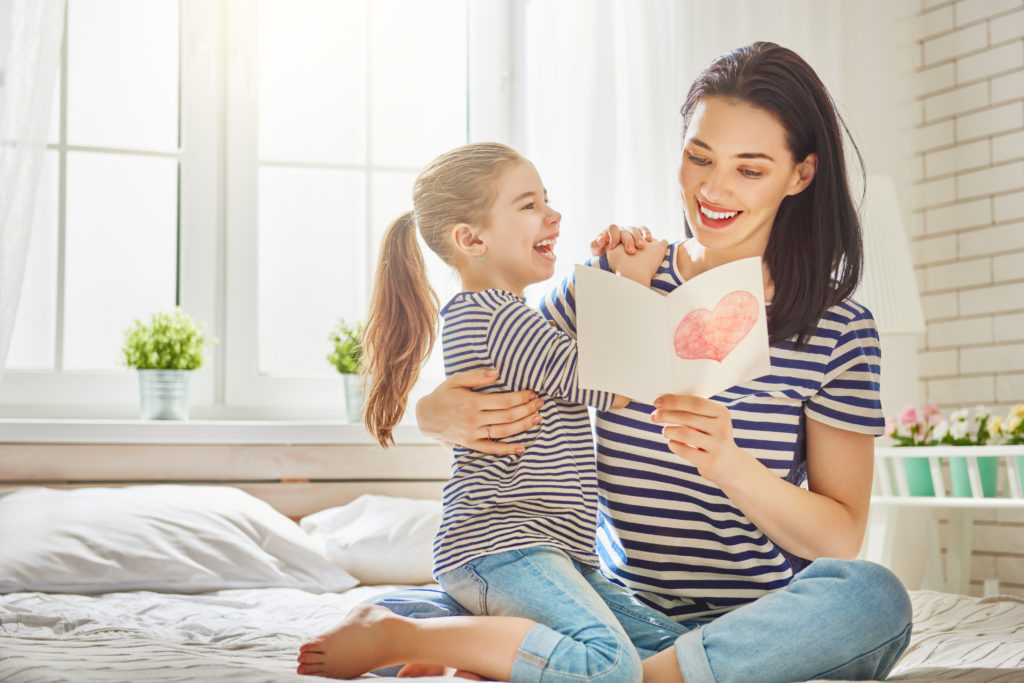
<point>548,496</point>
<point>672,536</point>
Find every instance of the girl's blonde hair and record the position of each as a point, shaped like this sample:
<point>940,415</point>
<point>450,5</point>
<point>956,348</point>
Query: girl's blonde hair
<point>456,187</point>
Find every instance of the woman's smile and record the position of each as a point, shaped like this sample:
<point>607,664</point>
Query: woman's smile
<point>716,217</point>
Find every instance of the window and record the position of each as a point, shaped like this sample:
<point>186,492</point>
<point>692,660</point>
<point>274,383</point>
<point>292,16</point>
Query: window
<point>241,159</point>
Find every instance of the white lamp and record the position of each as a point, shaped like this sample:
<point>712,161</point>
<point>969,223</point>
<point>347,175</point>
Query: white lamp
<point>889,289</point>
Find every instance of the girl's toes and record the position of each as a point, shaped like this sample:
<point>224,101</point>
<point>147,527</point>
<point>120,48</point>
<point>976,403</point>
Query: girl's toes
<point>312,646</point>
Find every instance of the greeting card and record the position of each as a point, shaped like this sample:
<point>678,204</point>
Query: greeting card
<point>707,335</point>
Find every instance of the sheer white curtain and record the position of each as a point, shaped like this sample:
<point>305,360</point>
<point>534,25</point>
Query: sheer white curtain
<point>602,82</point>
<point>30,39</point>
<point>599,99</point>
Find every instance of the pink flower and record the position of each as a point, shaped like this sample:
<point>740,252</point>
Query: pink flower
<point>890,426</point>
<point>908,416</point>
<point>930,410</point>
<point>935,419</point>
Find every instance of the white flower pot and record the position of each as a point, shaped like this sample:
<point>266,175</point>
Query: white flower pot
<point>163,394</point>
<point>353,397</point>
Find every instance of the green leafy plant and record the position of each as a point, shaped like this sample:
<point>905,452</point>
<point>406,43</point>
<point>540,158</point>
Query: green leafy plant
<point>346,342</point>
<point>171,341</point>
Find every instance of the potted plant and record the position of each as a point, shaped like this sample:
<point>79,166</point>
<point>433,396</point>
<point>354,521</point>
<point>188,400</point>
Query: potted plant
<point>165,352</point>
<point>959,441</point>
<point>346,354</point>
<point>914,428</point>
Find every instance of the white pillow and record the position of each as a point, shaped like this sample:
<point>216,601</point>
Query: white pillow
<point>180,539</point>
<point>379,539</point>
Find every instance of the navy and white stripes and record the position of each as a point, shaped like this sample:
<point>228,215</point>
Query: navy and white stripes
<point>671,535</point>
<point>548,496</point>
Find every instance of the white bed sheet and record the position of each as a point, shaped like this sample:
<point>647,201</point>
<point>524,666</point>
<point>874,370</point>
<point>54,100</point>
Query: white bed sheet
<point>231,635</point>
<point>254,635</point>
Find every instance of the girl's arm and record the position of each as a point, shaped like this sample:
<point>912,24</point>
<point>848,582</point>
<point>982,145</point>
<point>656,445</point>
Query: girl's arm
<point>455,414</point>
<point>828,520</point>
<point>529,353</point>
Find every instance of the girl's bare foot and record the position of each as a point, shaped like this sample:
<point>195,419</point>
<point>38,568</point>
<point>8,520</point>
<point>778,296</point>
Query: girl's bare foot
<point>357,645</point>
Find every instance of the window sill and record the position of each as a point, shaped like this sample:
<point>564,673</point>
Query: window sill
<point>286,432</point>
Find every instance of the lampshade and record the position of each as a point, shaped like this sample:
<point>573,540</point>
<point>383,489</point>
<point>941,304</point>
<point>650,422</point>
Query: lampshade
<point>888,287</point>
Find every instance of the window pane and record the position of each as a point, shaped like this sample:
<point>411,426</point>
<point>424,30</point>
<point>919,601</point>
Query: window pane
<point>312,255</point>
<point>34,337</point>
<point>123,73</point>
<point>418,72</point>
<point>121,251</point>
<point>312,80</point>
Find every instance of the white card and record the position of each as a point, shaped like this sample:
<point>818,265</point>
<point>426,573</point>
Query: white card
<point>709,334</point>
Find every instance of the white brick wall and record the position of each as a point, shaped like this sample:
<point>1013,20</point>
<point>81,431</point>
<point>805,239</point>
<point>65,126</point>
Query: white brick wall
<point>967,231</point>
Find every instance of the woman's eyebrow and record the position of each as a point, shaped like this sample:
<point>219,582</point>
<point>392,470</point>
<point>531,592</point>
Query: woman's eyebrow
<point>744,155</point>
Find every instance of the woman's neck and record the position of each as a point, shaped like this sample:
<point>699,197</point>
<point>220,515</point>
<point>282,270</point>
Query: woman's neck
<point>693,258</point>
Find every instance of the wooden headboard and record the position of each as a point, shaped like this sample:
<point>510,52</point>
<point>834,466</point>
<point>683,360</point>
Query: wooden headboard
<point>295,479</point>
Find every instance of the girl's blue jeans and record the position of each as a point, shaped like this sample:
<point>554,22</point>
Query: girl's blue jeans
<point>580,615</point>
<point>837,619</point>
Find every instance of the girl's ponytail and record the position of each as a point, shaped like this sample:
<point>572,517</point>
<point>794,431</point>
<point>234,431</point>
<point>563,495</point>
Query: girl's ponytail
<point>456,187</point>
<point>400,329</point>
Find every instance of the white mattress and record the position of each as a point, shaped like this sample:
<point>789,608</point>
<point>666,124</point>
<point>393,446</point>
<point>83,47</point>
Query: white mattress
<point>254,635</point>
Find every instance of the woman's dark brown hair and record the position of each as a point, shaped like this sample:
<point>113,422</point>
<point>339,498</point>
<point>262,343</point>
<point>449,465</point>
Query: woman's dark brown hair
<point>456,187</point>
<point>814,253</point>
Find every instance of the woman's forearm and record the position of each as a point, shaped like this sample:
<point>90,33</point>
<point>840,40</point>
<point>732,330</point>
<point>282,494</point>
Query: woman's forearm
<point>806,524</point>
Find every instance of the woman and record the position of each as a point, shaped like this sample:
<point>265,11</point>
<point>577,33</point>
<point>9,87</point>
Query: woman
<point>740,516</point>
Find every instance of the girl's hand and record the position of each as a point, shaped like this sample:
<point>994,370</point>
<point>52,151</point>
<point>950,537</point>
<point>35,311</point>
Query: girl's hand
<point>631,237</point>
<point>454,413</point>
<point>700,430</point>
<point>640,267</point>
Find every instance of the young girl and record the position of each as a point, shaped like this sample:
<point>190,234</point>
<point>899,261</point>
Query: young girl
<point>517,533</point>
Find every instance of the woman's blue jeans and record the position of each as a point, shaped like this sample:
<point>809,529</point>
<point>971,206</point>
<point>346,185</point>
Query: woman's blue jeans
<point>837,619</point>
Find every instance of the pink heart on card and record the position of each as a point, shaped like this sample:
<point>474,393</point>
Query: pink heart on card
<point>714,334</point>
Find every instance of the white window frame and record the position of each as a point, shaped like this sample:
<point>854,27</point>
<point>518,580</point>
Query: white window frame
<point>60,392</point>
<point>292,396</point>
<point>217,224</point>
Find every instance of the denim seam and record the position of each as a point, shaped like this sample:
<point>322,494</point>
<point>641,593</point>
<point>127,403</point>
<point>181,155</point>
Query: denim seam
<point>641,618</point>
<point>618,650</point>
<point>865,654</point>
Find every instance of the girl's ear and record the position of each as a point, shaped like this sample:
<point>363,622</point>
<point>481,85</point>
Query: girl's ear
<point>466,241</point>
<point>805,171</point>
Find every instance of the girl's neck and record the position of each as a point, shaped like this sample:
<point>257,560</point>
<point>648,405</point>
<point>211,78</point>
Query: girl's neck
<point>477,280</point>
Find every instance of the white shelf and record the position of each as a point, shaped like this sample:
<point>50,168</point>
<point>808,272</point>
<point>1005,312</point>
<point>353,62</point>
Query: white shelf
<point>893,502</point>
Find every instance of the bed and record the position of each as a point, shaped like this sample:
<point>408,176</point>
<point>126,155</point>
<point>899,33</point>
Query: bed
<point>121,580</point>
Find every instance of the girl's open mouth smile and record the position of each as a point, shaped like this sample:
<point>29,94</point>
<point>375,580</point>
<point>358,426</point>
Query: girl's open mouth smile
<point>546,248</point>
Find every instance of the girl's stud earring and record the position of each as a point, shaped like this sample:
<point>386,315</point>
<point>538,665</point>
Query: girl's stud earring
<point>479,258</point>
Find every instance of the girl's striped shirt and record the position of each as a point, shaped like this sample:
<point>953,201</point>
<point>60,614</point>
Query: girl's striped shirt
<point>548,496</point>
<point>672,536</point>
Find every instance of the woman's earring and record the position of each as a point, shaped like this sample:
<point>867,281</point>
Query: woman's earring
<point>479,258</point>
